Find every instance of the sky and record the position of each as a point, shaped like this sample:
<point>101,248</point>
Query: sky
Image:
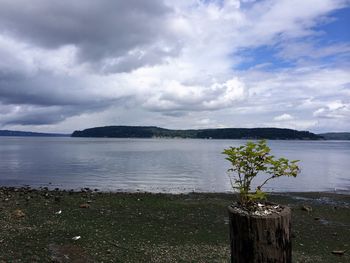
<point>73,64</point>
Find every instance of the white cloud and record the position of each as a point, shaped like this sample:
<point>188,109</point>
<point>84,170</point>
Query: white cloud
<point>178,97</point>
<point>295,124</point>
<point>334,110</point>
<point>165,60</point>
<point>284,117</point>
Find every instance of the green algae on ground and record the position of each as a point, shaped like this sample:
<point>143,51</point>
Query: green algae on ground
<point>142,227</point>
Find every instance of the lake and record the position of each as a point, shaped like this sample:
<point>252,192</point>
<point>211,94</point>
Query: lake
<point>160,165</point>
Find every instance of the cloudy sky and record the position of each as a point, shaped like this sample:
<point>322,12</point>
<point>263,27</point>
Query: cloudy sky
<point>74,64</point>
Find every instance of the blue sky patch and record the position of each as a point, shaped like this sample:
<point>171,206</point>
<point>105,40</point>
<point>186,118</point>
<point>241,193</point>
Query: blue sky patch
<point>265,56</point>
<point>333,32</point>
<point>339,29</point>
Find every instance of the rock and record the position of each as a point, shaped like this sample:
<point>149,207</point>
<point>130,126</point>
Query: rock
<point>18,213</point>
<point>306,208</point>
<point>84,206</point>
<point>338,252</point>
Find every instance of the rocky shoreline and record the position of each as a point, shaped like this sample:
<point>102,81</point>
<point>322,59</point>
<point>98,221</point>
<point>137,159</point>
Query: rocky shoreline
<point>43,225</point>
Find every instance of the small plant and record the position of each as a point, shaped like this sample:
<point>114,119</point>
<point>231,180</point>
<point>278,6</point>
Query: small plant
<point>247,161</point>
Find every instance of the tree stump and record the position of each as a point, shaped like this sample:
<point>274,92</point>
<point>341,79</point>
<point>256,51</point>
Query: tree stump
<point>260,239</point>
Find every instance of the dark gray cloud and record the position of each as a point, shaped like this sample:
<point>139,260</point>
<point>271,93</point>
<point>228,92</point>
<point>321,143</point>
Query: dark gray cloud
<point>45,98</point>
<point>45,89</point>
<point>46,115</point>
<point>40,116</point>
<point>100,30</point>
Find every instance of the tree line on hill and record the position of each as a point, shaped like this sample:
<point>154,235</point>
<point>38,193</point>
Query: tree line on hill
<point>224,133</point>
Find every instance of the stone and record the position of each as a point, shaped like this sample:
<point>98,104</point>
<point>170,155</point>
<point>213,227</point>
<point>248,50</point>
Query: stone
<point>18,213</point>
<point>306,208</point>
<point>338,252</point>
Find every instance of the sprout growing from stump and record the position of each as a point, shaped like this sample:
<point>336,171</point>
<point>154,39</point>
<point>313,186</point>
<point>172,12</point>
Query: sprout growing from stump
<point>247,161</point>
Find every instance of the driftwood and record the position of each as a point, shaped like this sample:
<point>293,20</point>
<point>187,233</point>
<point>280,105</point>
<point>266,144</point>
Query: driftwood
<point>260,239</point>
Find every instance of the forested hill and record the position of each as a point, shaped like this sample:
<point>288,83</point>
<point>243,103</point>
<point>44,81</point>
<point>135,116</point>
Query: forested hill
<point>226,133</point>
<point>32,134</point>
<point>336,135</point>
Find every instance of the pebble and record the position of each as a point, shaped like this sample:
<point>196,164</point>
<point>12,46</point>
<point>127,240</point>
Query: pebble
<point>18,213</point>
<point>338,252</point>
<point>306,208</point>
<point>84,206</point>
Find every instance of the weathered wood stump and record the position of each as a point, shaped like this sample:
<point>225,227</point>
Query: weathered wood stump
<point>260,239</point>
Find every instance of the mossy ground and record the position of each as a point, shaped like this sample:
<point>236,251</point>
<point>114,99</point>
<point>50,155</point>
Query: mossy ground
<point>141,227</point>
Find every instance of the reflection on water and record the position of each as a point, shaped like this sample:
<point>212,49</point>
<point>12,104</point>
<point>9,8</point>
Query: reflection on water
<point>160,165</point>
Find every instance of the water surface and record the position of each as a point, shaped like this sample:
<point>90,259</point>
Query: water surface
<point>160,165</point>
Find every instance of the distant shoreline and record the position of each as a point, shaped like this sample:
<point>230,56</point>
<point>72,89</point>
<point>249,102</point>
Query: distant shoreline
<point>9,133</point>
<point>170,138</point>
<point>146,132</point>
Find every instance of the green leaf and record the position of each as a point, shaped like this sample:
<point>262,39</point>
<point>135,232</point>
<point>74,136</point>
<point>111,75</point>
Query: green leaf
<point>250,159</point>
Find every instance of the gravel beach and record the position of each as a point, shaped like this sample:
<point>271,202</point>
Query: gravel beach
<point>42,225</point>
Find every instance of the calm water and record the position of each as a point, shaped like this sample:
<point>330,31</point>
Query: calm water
<point>160,165</point>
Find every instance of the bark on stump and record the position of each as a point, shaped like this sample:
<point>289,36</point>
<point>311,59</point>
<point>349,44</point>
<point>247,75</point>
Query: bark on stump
<point>260,239</point>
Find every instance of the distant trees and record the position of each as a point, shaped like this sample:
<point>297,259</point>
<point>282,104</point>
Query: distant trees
<point>227,133</point>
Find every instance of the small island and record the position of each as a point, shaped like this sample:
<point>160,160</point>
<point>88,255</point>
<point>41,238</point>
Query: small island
<point>223,133</point>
